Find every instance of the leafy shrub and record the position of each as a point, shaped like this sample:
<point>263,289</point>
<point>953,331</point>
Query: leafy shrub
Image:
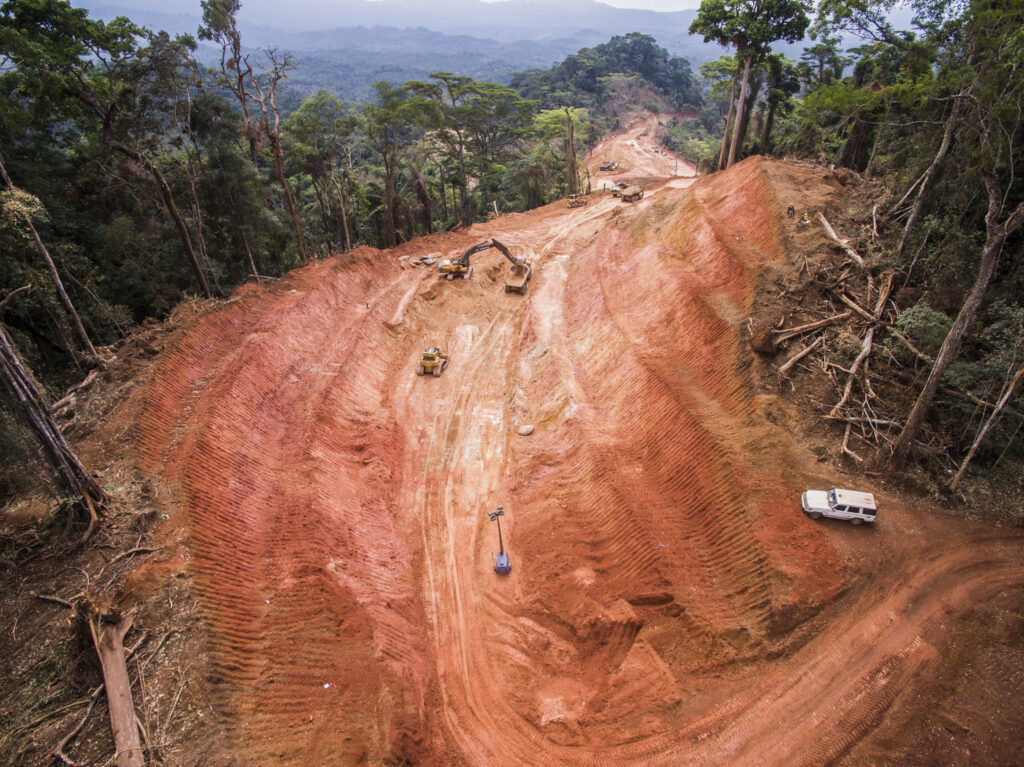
<point>925,327</point>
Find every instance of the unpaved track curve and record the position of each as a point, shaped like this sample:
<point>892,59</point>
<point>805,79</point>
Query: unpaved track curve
<point>667,605</point>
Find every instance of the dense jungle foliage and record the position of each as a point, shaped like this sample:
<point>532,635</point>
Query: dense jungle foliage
<point>133,175</point>
<point>936,114</point>
<point>609,79</point>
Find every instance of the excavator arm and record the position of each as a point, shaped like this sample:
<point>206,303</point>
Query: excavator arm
<point>503,250</point>
<point>463,260</point>
<point>520,271</point>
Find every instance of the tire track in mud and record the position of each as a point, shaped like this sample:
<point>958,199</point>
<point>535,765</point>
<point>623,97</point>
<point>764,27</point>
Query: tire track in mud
<point>285,482</point>
<point>459,436</point>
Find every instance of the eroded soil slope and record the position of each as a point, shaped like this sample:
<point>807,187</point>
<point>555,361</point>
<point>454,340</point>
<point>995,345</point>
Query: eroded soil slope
<point>668,604</point>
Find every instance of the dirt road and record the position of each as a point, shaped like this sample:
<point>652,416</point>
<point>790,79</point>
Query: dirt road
<point>637,154</point>
<point>668,604</point>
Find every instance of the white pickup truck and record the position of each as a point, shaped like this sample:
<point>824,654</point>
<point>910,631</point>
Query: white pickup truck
<point>855,507</point>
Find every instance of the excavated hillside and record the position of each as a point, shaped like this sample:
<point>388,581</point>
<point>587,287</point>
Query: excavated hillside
<point>668,603</point>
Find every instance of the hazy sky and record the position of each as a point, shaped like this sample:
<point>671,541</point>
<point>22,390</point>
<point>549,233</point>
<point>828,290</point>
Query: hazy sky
<point>192,6</point>
<point>651,5</point>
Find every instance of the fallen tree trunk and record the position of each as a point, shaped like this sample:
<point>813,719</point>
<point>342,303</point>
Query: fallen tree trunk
<point>785,335</point>
<point>864,352</point>
<point>108,638</point>
<point>801,354</point>
<point>846,445</point>
<point>68,469</point>
<point>841,243</point>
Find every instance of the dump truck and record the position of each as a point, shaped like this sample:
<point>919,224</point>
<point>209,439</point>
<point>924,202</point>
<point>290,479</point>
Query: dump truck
<point>617,189</point>
<point>632,193</point>
<point>519,273</point>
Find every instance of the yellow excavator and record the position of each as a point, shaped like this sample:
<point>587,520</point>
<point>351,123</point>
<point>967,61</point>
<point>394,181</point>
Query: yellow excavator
<point>516,280</point>
<point>450,268</point>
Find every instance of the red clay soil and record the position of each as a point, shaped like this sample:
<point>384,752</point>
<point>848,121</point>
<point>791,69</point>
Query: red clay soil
<point>668,603</point>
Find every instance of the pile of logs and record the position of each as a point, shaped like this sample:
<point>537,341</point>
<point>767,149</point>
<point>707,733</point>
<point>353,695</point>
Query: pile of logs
<point>861,303</point>
<point>868,312</point>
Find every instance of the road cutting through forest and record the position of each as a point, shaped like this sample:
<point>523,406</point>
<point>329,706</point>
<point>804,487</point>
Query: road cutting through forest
<point>668,603</point>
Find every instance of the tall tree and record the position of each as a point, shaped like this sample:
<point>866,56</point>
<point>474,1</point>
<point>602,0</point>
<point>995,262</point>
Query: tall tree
<point>19,208</point>
<point>318,133</point>
<point>750,26</point>
<point>783,83</point>
<point>264,88</point>
<point>447,108</point>
<point>389,124</point>
<point>116,71</point>
<point>557,126</point>
<point>991,49</point>
<point>220,26</point>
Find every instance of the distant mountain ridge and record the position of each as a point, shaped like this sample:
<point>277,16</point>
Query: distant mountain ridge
<point>504,21</point>
<point>347,45</point>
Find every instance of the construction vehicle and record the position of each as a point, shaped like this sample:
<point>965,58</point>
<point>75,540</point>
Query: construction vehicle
<point>609,165</point>
<point>501,564</point>
<point>450,268</point>
<point>632,194</point>
<point>433,362</point>
<point>577,200</point>
<point>519,273</point>
<point>516,280</point>
<point>617,189</point>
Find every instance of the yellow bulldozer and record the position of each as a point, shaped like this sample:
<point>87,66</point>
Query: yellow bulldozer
<point>433,362</point>
<point>577,200</point>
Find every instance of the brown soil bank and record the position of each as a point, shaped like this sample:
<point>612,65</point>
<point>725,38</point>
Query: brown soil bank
<point>668,603</point>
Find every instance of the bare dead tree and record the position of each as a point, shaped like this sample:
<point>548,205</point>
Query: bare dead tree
<point>265,88</point>
<point>993,416</point>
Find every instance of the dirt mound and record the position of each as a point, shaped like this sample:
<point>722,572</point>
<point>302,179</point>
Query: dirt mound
<point>668,604</point>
